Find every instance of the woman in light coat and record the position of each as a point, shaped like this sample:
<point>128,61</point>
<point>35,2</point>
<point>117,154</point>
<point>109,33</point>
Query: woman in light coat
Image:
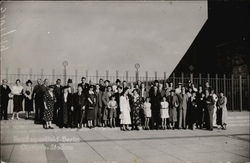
<point>125,110</point>
<point>222,110</point>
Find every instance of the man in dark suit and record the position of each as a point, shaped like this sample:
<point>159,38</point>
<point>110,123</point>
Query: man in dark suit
<point>57,93</point>
<point>101,85</point>
<point>4,93</point>
<point>155,98</point>
<point>210,111</point>
<point>98,109</point>
<point>117,98</point>
<point>84,85</point>
<point>38,98</point>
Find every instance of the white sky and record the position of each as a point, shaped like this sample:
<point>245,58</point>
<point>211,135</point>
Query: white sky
<point>100,35</point>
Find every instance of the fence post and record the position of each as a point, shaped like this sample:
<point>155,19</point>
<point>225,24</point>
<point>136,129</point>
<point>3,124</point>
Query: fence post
<point>224,84</point>
<point>216,83</point>
<point>127,76</point>
<point>30,74</point>
<point>155,75</point>
<point>191,78</point>
<point>173,80</point>
<point>182,78</point>
<point>200,78</point>
<point>208,78</point>
<point>232,86</point>
<point>97,75</point>
<point>117,74</point>
<point>76,75</point>
<point>240,78</point>
<point>87,74</point>
<point>248,91</point>
<point>165,78</point>
<point>18,73</point>
<point>107,74</point>
<point>146,79</point>
<point>42,74</point>
<point>53,75</point>
<point>7,74</point>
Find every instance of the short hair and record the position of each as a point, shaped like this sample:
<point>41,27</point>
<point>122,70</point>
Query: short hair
<point>83,77</point>
<point>28,81</point>
<point>18,80</point>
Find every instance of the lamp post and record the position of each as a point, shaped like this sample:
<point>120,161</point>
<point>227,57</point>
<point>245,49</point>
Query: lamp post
<point>137,66</point>
<point>65,64</point>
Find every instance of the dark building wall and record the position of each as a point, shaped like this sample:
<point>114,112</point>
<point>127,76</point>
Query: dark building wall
<point>222,45</point>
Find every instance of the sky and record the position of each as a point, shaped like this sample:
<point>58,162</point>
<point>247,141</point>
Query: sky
<point>100,35</point>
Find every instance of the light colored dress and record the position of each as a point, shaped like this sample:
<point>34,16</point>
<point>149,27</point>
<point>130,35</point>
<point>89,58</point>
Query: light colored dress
<point>125,110</point>
<point>164,110</point>
<point>147,110</point>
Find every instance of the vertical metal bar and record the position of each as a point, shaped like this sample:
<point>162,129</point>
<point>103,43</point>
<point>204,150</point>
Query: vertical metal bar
<point>224,84</point>
<point>192,77</point>
<point>117,74</point>
<point>165,78</point>
<point>97,75</point>
<point>200,78</point>
<point>76,76</point>
<point>146,79</point>
<point>42,74</point>
<point>216,83</point>
<point>248,91</point>
<point>174,80</point>
<point>127,76</point>
<point>240,78</point>
<point>7,74</point>
<point>18,73</point>
<point>208,78</point>
<point>107,74</point>
<point>232,91</point>
<point>87,73</point>
<point>155,75</point>
<point>53,75</point>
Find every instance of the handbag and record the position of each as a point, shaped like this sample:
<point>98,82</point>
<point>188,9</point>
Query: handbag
<point>121,116</point>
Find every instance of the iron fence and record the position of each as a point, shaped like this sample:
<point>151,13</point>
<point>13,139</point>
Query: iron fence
<point>236,88</point>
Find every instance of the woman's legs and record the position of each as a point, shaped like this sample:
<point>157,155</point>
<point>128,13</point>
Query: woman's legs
<point>162,123</point>
<point>114,124</point>
<point>13,115</point>
<point>17,115</point>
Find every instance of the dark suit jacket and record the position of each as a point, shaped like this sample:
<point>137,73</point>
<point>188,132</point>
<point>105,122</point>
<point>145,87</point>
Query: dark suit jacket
<point>173,101</point>
<point>155,99</point>
<point>4,93</point>
<point>85,87</point>
<point>79,101</point>
<point>99,99</point>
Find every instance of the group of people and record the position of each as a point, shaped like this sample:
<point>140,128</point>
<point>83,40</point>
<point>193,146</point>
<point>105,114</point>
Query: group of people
<point>127,105</point>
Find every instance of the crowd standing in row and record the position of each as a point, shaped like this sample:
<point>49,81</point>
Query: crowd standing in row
<point>120,104</point>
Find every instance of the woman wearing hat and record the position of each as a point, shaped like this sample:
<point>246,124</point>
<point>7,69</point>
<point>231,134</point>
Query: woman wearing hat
<point>49,101</point>
<point>91,106</point>
<point>137,106</point>
<point>28,90</point>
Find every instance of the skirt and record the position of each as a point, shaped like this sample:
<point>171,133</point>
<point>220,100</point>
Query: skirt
<point>48,114</point>
<point>172,115</point>
<point>28,104</point>
<point>148,113</point>
<point>164,113</point>
<point>18,103</point>
<point>90,113</point>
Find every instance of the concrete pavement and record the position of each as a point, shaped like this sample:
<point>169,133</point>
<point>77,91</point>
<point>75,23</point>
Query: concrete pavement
<point>22,141</point>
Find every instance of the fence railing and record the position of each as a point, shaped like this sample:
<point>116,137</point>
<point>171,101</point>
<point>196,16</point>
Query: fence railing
<point>236,88</point>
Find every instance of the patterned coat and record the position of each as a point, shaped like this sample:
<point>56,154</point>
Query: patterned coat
<point>49,101</point>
